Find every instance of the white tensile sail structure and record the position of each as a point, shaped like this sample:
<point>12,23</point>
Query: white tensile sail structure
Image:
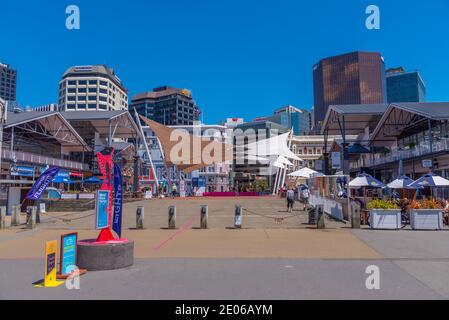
<point>278,147</point>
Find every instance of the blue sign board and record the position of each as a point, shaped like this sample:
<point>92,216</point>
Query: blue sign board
<point>68,253</point>
<point>22,171</point>
<point>101,209</point>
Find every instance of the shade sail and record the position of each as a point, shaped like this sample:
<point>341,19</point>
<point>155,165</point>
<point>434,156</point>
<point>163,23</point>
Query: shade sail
<point>188,152</point>
<point>276,146</point>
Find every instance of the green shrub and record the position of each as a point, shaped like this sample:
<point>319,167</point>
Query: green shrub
<point>383,205</point>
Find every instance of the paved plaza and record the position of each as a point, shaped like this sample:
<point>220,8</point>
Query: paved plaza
<point>267,259</point>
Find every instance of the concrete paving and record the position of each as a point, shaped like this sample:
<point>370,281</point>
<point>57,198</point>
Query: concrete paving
<point>203,279</point>
<point>264,260</point>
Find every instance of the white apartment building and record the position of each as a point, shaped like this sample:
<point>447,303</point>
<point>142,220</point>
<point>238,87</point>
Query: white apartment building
<point>92,88</point>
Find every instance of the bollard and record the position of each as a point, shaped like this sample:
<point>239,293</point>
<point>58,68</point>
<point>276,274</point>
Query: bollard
<point>312,215</point>
<point>140,216</point>
<point>38,211</point>
<point>204,216</point>
<point>15,218</point>
<point>172,217</point>
<point>320,220</point>
<point>2,217</point>
<point>31,217</point>
<point>355,215</point>
<point>238,217</point>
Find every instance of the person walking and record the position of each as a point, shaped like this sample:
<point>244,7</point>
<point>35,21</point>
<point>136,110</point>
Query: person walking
<point>305,197</point>
<point>290,199</point>
<point>174,190</point>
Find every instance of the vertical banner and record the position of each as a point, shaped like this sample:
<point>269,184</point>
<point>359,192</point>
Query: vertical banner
<point>42,183</point>
<point>118,200</point>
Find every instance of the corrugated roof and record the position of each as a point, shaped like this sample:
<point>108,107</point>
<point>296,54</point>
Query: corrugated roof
<point>23,117</point>
<point>379,108</point>
<point>431,110</point>
<point>92,115</point>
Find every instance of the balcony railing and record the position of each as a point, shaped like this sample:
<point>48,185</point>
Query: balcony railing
<point>418,151</point>
<point>43,160</point>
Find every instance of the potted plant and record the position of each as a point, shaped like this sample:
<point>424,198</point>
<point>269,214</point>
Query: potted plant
<point>384,214</point>
<point>426,215</point>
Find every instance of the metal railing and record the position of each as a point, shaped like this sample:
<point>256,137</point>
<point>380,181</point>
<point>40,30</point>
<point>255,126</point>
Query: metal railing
<point>42,160</point>
<point>418,151</point>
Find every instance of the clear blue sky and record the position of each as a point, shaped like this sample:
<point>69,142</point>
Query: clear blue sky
<point>241,58</point>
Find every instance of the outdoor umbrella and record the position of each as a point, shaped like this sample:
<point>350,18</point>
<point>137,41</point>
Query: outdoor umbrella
<point>403,182</point>
<point>303,173</point>
<point>92,180</point>
<point>61,179</point>
<point>365,180</point>
<point>429,180</point>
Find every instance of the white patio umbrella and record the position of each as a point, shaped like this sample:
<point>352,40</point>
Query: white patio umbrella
<point>303,173</point>
<point>401,183</point>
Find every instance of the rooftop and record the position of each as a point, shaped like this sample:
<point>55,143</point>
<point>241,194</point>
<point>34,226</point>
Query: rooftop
<point>94,70</point>
<point>161,92</point>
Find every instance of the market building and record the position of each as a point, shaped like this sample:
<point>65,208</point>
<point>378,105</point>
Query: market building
<point>393,139</point>
<point>33,141</point>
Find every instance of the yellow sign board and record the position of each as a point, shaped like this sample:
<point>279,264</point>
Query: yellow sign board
<point>51,249</point>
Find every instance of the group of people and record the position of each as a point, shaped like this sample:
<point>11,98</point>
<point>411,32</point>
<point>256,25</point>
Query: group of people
<point>292,194</point>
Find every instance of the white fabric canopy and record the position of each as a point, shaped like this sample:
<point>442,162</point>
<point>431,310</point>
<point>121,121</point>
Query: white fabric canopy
<point>284,160</point>
<point>303,173</point>
<point>274,146</point>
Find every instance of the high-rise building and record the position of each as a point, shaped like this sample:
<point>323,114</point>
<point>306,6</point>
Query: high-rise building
<point>291,117</point>
<point>92,88</point>
<point>405,86</point>
<point>167,105</point>
<point>352,78</point>
<point>8,82</point>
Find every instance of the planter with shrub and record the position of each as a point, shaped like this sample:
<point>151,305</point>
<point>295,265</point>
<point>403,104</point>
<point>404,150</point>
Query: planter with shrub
<point>426,215</point>
<point>384,215</point>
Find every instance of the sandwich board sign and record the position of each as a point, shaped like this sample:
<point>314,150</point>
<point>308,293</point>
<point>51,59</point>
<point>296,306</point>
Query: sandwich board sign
<point>50,281</point>
<point>101,209</point>
<point>67,262</point>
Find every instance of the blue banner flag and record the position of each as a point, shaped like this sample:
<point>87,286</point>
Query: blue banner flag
<point>118,200</point>
<point>42,183</point>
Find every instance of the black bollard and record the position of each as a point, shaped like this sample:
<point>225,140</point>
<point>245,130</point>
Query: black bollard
<point>204,216</point>
<point>2,217</point>
<point>172,217</point>
<point>140,216</point>
<point>238,217</point>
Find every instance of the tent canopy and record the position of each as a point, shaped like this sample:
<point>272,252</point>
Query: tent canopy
<point>303,173</point>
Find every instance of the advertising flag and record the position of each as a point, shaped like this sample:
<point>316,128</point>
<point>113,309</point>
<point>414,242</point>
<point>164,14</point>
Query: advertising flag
<point>42,183</point>
<point>118,200</point>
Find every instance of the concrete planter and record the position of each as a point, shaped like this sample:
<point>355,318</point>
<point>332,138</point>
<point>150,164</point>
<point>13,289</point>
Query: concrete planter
<point>427,219</point>
<point>385,219</point>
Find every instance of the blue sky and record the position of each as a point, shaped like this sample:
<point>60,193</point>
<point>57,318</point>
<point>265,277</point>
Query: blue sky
<point>240,58</point>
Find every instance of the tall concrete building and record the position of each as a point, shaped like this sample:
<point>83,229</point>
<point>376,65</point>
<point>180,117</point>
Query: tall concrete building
<point>8,83</point>
<point>405,86</point>
<point>92,88</point>
<point>352,78</point>
<point>167,105</point>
